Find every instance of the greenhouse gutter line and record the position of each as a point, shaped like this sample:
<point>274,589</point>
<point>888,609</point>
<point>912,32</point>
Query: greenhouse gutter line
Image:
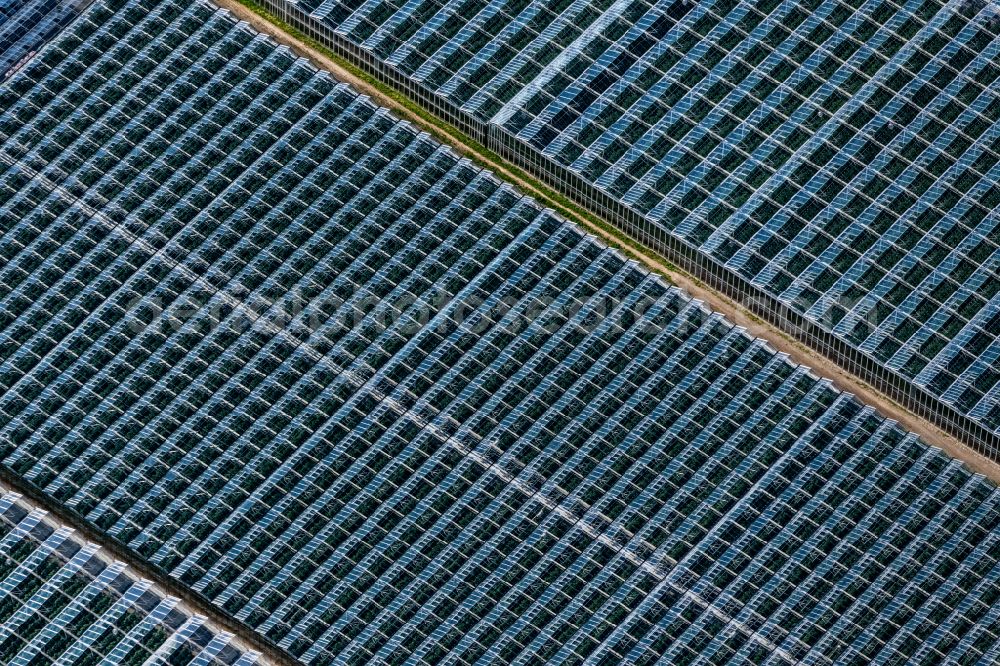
<point>265,21</point>
<point>194,602</point>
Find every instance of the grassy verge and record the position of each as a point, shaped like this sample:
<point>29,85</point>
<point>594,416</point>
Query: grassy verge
<point>614,237</point>
<point>479,153</point>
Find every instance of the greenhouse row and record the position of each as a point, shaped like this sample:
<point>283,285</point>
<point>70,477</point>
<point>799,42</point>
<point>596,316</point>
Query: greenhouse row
<point>839,157</point>
<point>382,408</point>
<point>26,25</point>
<point>62,600</point>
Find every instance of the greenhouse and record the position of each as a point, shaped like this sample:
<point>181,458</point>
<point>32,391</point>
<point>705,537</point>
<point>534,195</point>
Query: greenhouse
<point>380,407</point>
<point>838,158</point>
<point>63,601</point>
<point>26,25</point>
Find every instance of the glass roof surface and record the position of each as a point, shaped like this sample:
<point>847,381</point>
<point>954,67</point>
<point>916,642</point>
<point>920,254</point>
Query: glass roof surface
<point>381,407</point>
<point>842,156</point>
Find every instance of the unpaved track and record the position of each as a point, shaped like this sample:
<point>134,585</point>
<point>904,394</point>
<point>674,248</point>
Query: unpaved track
<point>796,351</point>
<point>244,638</point>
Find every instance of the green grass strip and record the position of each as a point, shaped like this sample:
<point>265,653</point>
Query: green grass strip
<point>479,154</point>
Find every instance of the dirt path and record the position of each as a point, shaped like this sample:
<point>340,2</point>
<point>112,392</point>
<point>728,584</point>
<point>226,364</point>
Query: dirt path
<point>796,351</point>
<point>243,638</point>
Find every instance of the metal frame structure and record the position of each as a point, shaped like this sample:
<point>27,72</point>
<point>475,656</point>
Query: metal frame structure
<point>63,601</point>
<point>375,404</point>
<point>829,165</point>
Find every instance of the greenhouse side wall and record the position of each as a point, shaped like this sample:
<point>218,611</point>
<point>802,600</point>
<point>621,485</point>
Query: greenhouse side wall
<point>704,267</point>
